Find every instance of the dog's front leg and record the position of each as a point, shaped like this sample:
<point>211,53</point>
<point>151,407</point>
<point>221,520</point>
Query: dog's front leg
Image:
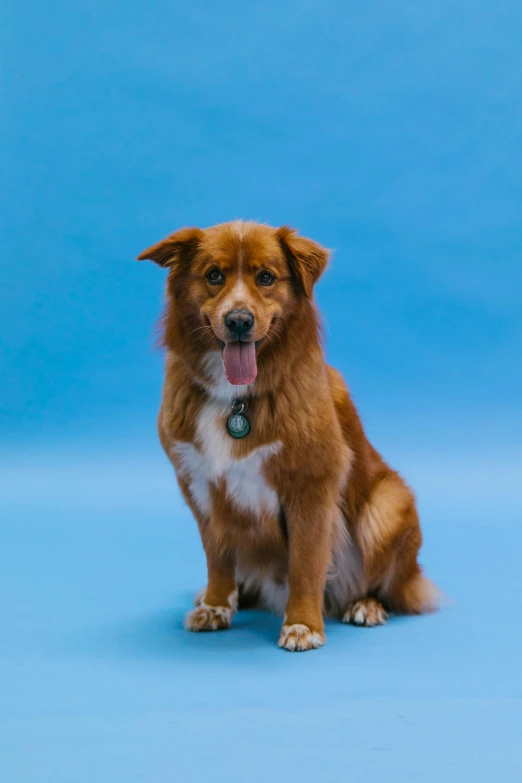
<point>310,515</point>
<point>218,602</point>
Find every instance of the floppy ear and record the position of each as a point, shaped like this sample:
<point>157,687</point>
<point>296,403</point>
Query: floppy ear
<point>307,258</point>
<point>176,248</point>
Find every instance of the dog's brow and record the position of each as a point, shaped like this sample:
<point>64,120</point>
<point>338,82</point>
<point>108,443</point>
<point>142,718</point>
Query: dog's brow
<point>263,263</point>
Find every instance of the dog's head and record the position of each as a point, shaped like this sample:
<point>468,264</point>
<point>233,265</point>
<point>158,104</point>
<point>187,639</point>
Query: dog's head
<point>238,285</point>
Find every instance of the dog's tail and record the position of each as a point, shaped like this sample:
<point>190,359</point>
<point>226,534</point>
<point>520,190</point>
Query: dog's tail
<point>417,595</point>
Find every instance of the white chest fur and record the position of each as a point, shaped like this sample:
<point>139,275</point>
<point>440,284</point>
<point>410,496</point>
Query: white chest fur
<point>212,460</point>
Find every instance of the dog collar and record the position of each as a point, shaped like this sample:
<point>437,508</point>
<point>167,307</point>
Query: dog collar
<point>238,425</point>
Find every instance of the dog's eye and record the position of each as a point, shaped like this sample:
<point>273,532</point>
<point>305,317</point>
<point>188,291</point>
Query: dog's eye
<point>265,278</point>
<point>215,277</point>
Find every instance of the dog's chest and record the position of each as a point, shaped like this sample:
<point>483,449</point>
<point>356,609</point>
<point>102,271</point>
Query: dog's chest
<point>211,462</point>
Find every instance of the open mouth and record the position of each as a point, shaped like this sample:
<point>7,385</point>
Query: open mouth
<point>240,360</point>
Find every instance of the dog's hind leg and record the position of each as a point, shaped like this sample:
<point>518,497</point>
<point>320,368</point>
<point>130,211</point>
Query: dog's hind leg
<point>389,537</point>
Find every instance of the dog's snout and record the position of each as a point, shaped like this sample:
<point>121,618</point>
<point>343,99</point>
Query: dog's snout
<point>239,324</point>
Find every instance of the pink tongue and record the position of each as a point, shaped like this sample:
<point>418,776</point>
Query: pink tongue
<point>240,362</point>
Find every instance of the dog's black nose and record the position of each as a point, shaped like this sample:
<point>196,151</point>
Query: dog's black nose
<point>239,324</point>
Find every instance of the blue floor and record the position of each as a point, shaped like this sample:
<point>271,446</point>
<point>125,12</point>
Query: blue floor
<point>99,562</point>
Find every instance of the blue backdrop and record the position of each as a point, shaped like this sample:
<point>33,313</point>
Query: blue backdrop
<point>390,132</point>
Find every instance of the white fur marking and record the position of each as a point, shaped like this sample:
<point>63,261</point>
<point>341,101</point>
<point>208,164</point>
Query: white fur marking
<point>213,460</point>
<point>190,460</point>
<point>238,293</point>
<point>238,226</point>
<point>237,298</point>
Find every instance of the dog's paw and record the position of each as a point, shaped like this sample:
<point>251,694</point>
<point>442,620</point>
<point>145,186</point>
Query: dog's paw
<point>208,618</point>
<point>299,637</point>
<point>367,612</point>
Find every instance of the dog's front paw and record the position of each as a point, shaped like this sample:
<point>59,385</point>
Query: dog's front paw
<point>299,637</point>
<point>208,618</point>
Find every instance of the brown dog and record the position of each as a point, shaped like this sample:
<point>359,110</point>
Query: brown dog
<point>296,510</point>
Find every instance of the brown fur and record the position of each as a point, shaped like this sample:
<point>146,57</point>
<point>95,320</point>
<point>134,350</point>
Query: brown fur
<point>335,492</point>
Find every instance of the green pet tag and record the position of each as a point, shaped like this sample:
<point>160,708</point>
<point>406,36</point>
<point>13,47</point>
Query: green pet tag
<point>238,425</point>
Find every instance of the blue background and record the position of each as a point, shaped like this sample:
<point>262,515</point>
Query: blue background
<point>391,132</point>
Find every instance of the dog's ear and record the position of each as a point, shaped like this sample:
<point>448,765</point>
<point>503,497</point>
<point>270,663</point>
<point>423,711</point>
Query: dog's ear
<point>175,250</point>
<point>307,258</point>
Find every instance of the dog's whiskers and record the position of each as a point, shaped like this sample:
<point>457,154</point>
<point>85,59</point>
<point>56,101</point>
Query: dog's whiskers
<point>199,328</point>
<point>275,333</point>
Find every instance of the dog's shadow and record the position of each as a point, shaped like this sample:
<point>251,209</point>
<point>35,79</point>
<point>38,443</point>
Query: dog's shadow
<point>161,634</point>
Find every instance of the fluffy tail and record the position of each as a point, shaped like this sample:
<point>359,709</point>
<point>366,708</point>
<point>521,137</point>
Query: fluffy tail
<point>417,595</point>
